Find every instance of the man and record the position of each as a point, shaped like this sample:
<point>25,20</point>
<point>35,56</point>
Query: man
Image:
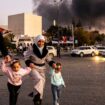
<point>58,51</point>
<point>3,48</point>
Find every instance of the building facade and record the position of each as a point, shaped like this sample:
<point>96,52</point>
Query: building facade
<point>25,24</point>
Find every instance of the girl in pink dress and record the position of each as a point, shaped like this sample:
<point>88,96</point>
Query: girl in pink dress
<point>14,73</point>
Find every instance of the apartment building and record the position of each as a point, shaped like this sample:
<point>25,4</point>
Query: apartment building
<point>25,24</point>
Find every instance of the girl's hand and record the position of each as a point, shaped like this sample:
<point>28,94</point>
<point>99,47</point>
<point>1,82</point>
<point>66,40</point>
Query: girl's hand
<point>7,58</point>
<point>32,66</point>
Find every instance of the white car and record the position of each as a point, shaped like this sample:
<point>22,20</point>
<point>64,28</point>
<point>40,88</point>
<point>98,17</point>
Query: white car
<point>85,50</point>
<point>101,50</point>
<point>52,51</point>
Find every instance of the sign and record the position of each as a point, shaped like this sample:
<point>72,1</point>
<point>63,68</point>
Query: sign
<point>71,38</point>
<point>64,38</point>
<point>76,41</point>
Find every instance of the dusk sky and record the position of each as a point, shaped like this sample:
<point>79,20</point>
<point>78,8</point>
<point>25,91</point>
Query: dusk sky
<point>88,11</point>
<point>10,7</point>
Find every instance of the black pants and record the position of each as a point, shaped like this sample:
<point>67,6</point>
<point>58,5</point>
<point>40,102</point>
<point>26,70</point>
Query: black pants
<point>13,93</point>
<point>58,54</point>
<point>37,100</point>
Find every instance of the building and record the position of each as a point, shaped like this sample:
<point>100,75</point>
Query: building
<point>25,24</point>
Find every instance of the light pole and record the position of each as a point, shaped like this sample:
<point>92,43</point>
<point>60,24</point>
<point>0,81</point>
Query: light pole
<point>72,28</point>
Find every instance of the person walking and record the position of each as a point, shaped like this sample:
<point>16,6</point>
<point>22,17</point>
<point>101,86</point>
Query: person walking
<point>58,51</point>
<point>38,56</point>
<point>14,73</point>
<point>57,82</point>
<point>3,48</point>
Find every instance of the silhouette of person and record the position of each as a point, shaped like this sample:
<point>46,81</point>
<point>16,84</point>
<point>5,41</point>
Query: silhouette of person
<point>3,48</point>
<point>58,51</point>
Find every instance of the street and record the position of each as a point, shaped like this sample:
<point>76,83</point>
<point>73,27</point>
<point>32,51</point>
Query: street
<point>84,79</point>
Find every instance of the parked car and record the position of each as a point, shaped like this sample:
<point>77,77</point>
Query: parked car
<point>103,53</point>
<point>101,50</point>
<point>85,50</point>
<point>52,51</point>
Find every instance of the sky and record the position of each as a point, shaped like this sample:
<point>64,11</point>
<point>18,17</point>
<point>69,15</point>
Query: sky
<point>10,7</point>
<point>91,13</point>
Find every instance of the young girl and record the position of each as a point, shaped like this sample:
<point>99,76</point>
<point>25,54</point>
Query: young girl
<point>14,73</point>
<point>57,83</point>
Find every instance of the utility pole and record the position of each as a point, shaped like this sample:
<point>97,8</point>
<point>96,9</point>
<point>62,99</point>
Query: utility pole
<point>72,28</point>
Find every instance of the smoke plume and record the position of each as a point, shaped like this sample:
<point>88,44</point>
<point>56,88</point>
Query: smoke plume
<point>89,12</point>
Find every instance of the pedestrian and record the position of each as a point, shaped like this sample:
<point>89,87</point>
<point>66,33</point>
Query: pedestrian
<point>38,56</point>
<point>3,48</point>
<point>38,80</point>
<point>57,82</point>
<point>58,50</point>
<point>14,72</point>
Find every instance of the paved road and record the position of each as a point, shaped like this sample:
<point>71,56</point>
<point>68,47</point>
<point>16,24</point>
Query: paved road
<point>85,83</point>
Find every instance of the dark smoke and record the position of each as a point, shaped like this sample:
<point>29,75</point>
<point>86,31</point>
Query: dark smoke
<point>50,10</point>
<point>92,8</point>
<point>90,12</point>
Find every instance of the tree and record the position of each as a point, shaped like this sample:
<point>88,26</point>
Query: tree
<point>100,38</point>
<point>79,24</point>
<point>8,39</point>
<point>82,36</point>
<point>52,32</point>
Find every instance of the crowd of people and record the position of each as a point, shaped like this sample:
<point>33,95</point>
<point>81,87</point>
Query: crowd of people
<point>35,60</point>
<point>22,48</point>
